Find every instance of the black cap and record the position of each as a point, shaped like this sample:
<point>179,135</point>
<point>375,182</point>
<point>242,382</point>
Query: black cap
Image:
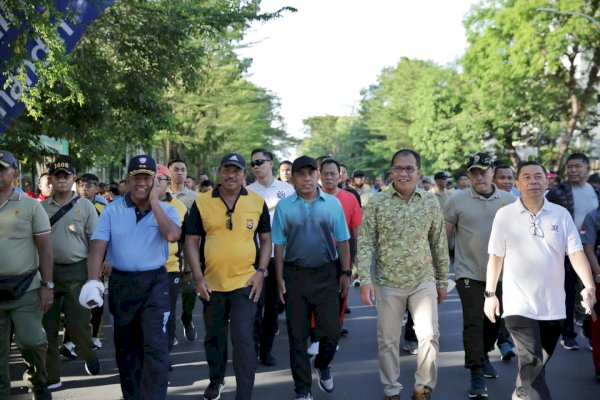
<point>88,177</point>
<point>479,160</point>
<point>142,164</point>
<point>234,159</point>
<point>358,172</point>
<point>440,175</point>
<point>7,159</point>
<point>303,161</point>
<point>62,165</point>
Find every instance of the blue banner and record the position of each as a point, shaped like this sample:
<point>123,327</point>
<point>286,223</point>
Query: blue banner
<point>81,14</point>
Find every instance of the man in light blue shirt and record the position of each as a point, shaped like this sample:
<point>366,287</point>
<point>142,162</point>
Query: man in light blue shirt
<point>136,230</point>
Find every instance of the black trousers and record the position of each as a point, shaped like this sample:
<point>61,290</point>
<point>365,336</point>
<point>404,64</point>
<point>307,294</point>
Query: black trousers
<point>139,303</point>
<point>266,321</point>
<point>309,289</point>
<point>535,342</point>
<point>188,302</point>
<point>479,333</point>
<point>568,326</point>
<point>233,310</point>
<point>174,279</point>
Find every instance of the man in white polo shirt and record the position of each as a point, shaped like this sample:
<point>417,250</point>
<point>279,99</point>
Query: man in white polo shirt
<point>272,190</point>
<point>530,238</point>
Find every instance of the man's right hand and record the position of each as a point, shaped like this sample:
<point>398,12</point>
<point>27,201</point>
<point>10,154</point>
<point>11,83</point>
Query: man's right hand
<point>367,294</point>
<point>281,289</point>
<point>203,289</point>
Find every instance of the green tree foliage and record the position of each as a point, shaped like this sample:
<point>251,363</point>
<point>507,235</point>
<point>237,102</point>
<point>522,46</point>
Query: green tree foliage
<point>536,73</point>
<point>159,74</point>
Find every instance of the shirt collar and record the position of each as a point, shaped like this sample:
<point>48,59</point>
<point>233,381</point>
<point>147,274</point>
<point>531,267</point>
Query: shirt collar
<point>14,196</point>
<point>523,209</point>
<point>52,201</point>
<point>184,191</point>
<point>217,193</point>
<point>320,195</point>
<point>494,195</point>
<point>393,192</point>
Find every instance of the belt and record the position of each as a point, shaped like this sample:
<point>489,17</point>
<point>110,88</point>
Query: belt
<point>118,271</point>
<point>297,266</point>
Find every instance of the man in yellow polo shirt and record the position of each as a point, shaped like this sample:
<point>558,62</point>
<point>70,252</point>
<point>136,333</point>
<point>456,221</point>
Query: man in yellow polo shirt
<point>24,243</point>
<point>227,219</point>
<point>71,235</point>
<point>174,262</point>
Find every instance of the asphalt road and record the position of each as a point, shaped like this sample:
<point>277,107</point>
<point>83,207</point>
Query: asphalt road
<point>570,373</point>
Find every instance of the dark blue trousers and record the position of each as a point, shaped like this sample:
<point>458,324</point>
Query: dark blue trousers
<point>139,303</point>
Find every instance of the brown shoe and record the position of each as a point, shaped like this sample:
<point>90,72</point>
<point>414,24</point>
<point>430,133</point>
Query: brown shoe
<point>393,397</point>
<point>423,394</point>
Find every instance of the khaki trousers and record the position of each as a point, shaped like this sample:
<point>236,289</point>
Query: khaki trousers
<point>391,306</point>
<point>30,338</point>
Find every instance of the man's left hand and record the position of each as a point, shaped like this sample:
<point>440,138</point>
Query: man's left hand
<point>256,281</point>
<point>344,284</point>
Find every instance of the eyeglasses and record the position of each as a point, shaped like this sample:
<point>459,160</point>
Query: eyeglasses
<point>408,170</point>
<point>165,179</point>
<point>535,229</point>
<point>258,163</point>
<point>229,221</point>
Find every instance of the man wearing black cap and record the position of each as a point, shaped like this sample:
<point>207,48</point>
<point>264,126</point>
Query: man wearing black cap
<point>73,220</point>
<point>136,231</point>
<point>306,228</point>
<point>470,214</point>
<point>226,220</point>
<point>24,244</point>
<point>363,189</point>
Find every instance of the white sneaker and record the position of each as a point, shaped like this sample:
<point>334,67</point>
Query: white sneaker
<point>356,282</point>
<point>53,386</point>
<point>97,343</point>
<point>313,349</point>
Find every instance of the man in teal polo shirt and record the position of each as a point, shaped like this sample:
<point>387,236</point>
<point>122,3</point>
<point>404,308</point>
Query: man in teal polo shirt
<point>306,228</point>
<point>136,231</point>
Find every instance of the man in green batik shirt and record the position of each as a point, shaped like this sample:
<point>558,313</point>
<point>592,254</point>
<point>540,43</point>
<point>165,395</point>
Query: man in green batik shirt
<point>404,227</point>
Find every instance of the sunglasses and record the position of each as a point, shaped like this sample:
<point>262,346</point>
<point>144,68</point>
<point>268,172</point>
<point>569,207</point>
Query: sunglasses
<point>229,221</point>
<point>258,163</point>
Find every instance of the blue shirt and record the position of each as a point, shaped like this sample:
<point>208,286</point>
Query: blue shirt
<point>100,199</point>
<point>134,239</point>
<point>309,230</point>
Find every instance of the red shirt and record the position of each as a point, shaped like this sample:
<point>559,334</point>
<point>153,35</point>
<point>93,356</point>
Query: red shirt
<point>352,210</point>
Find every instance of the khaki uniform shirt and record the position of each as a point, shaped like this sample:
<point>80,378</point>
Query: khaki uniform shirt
<point>186,196</point>
<point>71,234</point>
<point>472,216</point>
<point>21,218</point>
<point>409,240</point>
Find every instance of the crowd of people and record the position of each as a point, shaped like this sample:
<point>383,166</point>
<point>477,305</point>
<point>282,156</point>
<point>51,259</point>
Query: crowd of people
<point>523,246</point>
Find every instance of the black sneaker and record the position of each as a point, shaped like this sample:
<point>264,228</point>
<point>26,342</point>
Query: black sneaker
<point>478,389</point>
<point>92,367</point>
<point>488,369</point>
<point>213,391</point>
<point>68,353</point>
<point>41,393</point>
<point>268,360</point>
<point>190,331</point>
<point>325,380</point>
<point>569,344</point>
<point>344,332</point>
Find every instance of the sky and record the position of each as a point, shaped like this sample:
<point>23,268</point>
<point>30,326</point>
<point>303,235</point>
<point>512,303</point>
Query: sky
<point>319,59</point>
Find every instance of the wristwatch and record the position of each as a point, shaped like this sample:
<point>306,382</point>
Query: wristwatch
<point>488,294</point>
<point>48,285</point>
<point>347,272</point>
<point>264,271</point>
